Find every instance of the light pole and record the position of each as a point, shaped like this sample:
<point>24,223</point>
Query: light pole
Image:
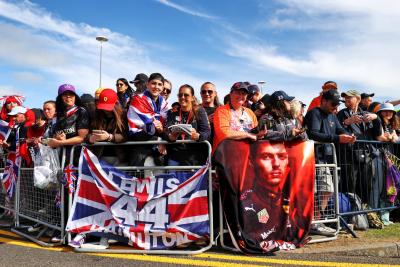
<point>101,39</point>
<point>261,83</point>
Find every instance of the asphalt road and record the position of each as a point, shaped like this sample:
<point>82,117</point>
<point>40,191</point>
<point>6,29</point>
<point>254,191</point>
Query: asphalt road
<point>15,251</point>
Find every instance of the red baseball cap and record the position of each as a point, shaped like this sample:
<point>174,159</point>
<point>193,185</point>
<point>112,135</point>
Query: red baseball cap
<point>107,99</point>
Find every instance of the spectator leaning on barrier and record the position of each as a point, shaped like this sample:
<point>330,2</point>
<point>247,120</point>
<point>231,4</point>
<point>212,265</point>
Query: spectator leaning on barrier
<point>124,92</point>
<point>49,110</point>
<point>109,125</point>
<point>190,113</point>
<point>146,116</point>
<point>353,158</point>
<point>388,124</point>
<point>233,120</point>
<point>277,121</point>
<point>316,102</point>
<point>323,126</point>
<point>72,124</point>
<point>366,100</point>
<point>18,118</point>
<point>354,119</point>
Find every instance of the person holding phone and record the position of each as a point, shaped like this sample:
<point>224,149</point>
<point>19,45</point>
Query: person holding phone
<point>109,125</point>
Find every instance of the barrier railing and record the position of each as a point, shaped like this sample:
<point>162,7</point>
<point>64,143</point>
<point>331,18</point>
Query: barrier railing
<point>139,172</point>
<point>364,174</point>
<point>39,206</point>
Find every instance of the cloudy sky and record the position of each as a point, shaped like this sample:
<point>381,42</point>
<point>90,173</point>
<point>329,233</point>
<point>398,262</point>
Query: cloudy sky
<point>293,45</point>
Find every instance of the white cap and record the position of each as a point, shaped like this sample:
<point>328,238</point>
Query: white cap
<point>16,110</point>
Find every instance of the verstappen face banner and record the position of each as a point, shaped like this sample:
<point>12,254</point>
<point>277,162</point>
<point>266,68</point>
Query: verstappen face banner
<point>267,193</point>
<point>151,213</point>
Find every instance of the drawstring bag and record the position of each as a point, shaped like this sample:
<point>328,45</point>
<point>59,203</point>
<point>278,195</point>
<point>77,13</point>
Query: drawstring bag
<point>46,167</point>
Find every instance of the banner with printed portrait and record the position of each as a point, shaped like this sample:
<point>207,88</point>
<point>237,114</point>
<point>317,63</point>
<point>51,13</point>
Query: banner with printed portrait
<point>267,191</point>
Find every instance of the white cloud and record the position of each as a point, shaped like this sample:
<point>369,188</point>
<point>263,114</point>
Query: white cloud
<point>27,77</point>
<point>355,42</point>
<point>186,10</point>
<point>68,52</point>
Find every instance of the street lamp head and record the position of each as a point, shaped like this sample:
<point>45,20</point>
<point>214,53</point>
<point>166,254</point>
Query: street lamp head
<point>261,82</point>
<point>101,39</point>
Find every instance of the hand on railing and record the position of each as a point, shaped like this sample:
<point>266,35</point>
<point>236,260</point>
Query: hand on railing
<point>345,138</point>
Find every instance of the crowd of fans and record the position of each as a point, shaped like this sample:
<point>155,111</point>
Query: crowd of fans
<point>144,114</point>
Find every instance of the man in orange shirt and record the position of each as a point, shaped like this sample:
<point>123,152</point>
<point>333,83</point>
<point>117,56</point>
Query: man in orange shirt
<point>316,102</point>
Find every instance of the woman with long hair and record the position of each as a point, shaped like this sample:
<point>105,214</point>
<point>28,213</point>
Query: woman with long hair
<point>124,92</point>
<point>109,125</point>
<point>72,124</point>
<point>195,117</point>
<point>278,120</point>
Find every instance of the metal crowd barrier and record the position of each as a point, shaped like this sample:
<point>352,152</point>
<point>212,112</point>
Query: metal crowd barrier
<point>363,172</point>
<point>8,205</point>
<point>38,206</point>
<point>140,171</point>
<point>328,215</point>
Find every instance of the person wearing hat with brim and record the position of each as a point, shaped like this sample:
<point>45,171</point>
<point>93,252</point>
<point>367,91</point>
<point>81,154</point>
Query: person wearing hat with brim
<point>73,120</point>
<point>366,100</point>
<point>233,120</point>
<point>323,126</point>
<point>388,123</point>
<point>316,102</point>
<point>140,82</point>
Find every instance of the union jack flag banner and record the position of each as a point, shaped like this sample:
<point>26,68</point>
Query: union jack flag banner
<point>143,110</point>
<point>151,213</point>
<point>11,170</point>
<point>4,130</point>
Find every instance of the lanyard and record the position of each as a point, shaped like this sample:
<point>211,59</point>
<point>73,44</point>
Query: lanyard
<point>185,122</point>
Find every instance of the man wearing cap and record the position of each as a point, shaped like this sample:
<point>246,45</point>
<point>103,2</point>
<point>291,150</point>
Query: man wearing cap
<point>316,102</point>
<point>366,100</point>
<point>323,126</point>
<point>355,169</point>
<point>353,118</point>
<point>233,120</point>
<point>253,96</point>
<point>140,82</point>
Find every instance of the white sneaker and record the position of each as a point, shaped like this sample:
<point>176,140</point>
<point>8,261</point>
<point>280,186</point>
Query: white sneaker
<point>34,228</point>
<point>321,229</point>
<point>56,238</point>
<point>104,242</point>
<point>77,241</point>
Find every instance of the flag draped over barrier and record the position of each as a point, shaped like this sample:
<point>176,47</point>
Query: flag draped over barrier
<point>11,170</point>
<point>267,191</point>
<point>148,213</point>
